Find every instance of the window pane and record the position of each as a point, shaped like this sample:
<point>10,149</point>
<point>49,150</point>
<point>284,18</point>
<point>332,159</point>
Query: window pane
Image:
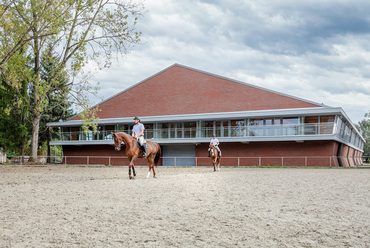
<point>225,126</point>
<point>326,119</point>
<point>256,127</point>
<point>163,130</point>
<point>278,130</point>
<point>179,130</point>
<point>310,125</point>
<point>291,126</point>
<point>327,124</point>
<point>75,133</point>
<point>218,128</point>
<point>237,128</point>
<point>148,132</point>
<point>172,130</point>
<point>190,130</point>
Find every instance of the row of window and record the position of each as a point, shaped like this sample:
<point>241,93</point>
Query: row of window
<point>344,131</point>
<point>279,126</point>
<point>223,128</point>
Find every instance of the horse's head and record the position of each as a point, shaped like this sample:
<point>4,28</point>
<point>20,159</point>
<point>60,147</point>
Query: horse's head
<point>117,141</point>
<point>211,146</point>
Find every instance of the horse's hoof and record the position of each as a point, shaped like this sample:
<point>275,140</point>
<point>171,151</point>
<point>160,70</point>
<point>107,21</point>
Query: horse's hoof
<point>154,177</point>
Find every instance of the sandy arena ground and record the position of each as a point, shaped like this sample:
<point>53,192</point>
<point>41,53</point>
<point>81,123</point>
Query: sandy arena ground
<point>60,206</point>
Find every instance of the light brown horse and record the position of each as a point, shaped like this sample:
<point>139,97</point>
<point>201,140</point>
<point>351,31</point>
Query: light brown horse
<point>153,151</point>
<point>216,159</point>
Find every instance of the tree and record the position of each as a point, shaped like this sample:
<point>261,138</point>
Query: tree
<point>59,108</point>
<point>364,128</point>
<point>75,31</point>
<point>16,29</point>
<point>14,135</point>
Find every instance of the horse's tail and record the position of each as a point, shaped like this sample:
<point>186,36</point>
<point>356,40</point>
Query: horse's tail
<point>158,155</point>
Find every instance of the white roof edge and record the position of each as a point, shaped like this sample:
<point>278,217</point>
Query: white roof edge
<point>210,116</point>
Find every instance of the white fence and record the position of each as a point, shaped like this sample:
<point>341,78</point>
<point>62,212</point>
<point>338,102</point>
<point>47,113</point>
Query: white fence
<point>302,161</point>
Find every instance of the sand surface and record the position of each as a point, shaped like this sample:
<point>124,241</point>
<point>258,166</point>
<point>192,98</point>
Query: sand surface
<point>58,206</point>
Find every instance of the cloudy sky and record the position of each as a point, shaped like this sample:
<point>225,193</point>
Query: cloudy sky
<point>317,50</point>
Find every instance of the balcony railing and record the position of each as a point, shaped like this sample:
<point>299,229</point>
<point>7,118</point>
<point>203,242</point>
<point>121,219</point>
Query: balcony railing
<point>186,133</point>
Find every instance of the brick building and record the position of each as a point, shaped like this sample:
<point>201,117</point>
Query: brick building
<point>182,107</point>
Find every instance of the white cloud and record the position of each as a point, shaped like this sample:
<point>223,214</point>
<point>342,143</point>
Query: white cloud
<point>315,50</point>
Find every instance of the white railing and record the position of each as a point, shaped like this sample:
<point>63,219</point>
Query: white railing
<point>285,161</point>
<point>232,131</point>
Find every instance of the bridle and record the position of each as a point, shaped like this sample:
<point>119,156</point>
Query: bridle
<point>119,142</point>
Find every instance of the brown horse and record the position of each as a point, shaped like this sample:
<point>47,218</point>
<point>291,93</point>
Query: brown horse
<point>153,151</point>
<point>215,157</point>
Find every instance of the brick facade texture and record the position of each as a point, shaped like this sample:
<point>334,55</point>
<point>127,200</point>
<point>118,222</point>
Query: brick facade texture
<point>180,90</point>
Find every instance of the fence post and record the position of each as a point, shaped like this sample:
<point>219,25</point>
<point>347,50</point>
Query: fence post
<point>259,161</point>
<point>88,158</point>
<point>65,161</point>
<point>305,161</point>
<point>330,161</point>
<point>109,161</point>
<point>175,161</point>
<point>282,161</point>
<point>238,161</point>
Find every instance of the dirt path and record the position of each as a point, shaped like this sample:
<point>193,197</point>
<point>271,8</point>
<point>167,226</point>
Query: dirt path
<point>184,207</point>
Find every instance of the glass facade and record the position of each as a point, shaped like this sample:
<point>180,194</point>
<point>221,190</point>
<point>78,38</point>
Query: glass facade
<point>248,127</point>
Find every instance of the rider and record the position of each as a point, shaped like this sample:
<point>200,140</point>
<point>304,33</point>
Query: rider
<point>215,142</point>
<point>138,133</point>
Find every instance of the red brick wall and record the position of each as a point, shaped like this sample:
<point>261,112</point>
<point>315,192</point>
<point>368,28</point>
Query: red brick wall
<point>97,154</point>
<point>272,152</point>
<point>343,155</point>
<point>179,90</point>
<point>318,153</point>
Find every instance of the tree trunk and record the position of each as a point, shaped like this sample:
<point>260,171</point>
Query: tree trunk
<point>35,136</point>
<point>48,159</point>
<point>22,150</point>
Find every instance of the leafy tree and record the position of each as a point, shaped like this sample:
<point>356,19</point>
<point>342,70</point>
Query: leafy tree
<point>14,135</point>
<point>16,29</point>
<point>59,108</point>
<point>77,30</point>
<point>364,127</point>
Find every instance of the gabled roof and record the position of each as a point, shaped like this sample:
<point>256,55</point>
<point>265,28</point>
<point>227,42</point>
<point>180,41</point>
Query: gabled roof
<point>179,89</point>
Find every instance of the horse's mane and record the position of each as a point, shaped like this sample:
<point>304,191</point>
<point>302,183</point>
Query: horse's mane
<point>126,136</point>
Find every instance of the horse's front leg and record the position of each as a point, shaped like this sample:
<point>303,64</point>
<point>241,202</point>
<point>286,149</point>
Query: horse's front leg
<point>153,169</point>
<point>132,166</point>
<point>151,166</point>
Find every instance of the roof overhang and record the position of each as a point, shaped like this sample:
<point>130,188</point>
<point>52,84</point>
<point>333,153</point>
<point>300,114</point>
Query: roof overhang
<point>212,116</point>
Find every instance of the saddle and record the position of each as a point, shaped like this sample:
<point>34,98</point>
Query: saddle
<point>218,152</point>
<point>142,148</point>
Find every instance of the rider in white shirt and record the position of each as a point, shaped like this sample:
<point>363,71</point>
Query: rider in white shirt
<point>215,142</point>
<point>138,133</point>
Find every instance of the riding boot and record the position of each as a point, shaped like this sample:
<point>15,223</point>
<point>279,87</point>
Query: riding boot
<point>144,150</point>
